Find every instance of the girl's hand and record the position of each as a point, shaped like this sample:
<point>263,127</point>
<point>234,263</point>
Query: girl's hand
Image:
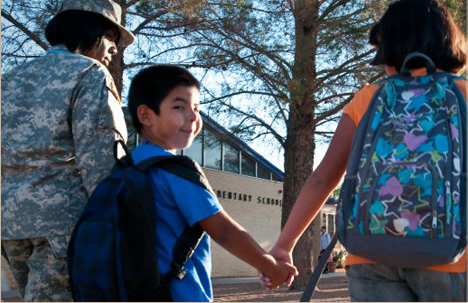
<point>281,255</point>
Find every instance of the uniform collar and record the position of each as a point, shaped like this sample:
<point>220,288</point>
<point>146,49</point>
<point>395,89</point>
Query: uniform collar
<point>59,48</point>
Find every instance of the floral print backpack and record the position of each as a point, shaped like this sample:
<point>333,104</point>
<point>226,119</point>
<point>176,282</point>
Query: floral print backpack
<point>403,200</point>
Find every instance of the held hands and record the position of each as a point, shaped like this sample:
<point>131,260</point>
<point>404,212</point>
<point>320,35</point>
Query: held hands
<point>284,272</point>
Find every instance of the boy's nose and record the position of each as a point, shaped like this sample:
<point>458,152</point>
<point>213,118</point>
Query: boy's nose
<point>193,116</point>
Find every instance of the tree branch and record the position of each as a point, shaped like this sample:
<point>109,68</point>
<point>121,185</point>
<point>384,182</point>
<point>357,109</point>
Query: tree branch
<point>339,107</point>
<point>25,30</point>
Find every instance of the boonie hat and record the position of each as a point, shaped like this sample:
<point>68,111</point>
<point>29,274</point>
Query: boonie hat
<point>107,8</point>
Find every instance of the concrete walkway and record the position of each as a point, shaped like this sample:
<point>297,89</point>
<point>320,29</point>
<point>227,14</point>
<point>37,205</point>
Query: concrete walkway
<point>225,281</point>
<point>12,295</point>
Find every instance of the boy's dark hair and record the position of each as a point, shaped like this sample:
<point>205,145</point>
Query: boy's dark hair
<point>419,26</point>
<point>151,85</point>
<point>78,30</point>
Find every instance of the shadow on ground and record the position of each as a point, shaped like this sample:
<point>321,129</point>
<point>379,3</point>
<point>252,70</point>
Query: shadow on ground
<point>329,290</point>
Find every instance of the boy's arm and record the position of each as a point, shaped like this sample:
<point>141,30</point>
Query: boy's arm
<point>235,239</point>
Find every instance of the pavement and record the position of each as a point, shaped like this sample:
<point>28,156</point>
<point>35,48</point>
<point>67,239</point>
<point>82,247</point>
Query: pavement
<point>331,287</point>
<point>225,281</point>
<point>12,295</point>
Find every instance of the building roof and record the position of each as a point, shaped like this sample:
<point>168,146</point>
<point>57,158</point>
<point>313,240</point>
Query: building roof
<point>231,139</point>
<point>241,145</point>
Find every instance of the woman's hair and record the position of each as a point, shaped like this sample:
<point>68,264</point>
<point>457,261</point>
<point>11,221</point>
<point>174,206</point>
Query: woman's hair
<point>419,26</point>
<point>78,30</point>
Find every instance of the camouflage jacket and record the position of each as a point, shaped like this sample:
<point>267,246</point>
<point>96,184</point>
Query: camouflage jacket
<point>60,118</point>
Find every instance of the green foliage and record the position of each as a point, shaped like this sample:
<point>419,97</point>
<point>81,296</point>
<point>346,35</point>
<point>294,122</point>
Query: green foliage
<point>457,9</point>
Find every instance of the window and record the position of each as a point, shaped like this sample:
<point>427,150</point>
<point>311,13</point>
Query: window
<point>212,151</point>
<point>331,224</point>
<point>231,159</point>
<point>248,166</point>
<point>276,178</point>
<point>195,150</point>
<point>263,173</point>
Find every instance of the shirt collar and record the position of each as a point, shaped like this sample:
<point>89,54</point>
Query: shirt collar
<point>147,150</point>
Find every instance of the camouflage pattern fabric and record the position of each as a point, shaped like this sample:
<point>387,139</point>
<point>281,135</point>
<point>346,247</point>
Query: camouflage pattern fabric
<point>107,8</point>
<point>60,119</point>
<point>39,267</point>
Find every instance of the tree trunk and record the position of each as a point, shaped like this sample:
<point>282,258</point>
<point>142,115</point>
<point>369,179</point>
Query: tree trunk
<point>300,145</point>
<point>116,68</point>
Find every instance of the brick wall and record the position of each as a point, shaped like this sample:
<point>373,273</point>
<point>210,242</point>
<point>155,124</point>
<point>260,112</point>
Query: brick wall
<point>256,205</point>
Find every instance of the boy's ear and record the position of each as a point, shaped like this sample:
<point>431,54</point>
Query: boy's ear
<point>144,114</point>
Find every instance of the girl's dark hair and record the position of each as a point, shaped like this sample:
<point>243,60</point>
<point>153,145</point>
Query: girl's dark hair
<point>151,85</point>
<point>374,35</point>
<point>419,26</point>
<point>78,30</point>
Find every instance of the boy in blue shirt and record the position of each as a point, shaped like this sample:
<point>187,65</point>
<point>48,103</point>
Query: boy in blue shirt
<point>164,104</point>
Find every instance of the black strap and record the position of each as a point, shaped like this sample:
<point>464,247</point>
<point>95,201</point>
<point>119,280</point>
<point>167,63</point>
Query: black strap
<point>309,292</point>
<point>188,241</point>
<point>126,160</point>
<point>182,166</point>
<point>430,66</point>
<point>183,250</point>
<point>186,168</point>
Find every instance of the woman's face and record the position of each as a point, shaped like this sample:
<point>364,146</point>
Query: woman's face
<point>107,48</point>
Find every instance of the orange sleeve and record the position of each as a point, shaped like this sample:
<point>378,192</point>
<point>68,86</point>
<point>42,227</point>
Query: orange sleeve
<point>463,85</point>
<point>358,106</point>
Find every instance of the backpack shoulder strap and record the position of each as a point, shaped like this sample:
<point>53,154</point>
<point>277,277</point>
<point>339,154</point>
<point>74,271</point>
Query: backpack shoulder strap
<point>182,166</point>
<point>126,160</point>
<point>191,236</point>
<point>183,250</point>
<point>361,130</point>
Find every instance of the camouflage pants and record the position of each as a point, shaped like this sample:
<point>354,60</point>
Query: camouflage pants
<point>39,267</point>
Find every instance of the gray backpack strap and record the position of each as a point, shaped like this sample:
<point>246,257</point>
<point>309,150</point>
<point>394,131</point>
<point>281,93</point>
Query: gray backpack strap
<point>309,292</point>
<point>430,66</point>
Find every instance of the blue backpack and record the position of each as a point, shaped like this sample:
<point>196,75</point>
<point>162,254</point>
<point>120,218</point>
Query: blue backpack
<point>112,251</point>
<point>403,200</point>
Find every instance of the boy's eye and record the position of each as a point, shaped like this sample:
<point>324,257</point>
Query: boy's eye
<point>179,107</point>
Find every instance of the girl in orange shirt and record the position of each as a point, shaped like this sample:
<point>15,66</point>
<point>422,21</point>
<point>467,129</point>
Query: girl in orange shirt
<point>407,26</point>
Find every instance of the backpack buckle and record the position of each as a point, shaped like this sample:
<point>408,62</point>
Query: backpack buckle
<point>180,274</point>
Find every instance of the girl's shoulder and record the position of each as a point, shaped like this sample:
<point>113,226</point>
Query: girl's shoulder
<point>358,105</point>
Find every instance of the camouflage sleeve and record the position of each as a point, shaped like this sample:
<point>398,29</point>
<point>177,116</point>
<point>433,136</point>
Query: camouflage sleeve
<point>97,122</point>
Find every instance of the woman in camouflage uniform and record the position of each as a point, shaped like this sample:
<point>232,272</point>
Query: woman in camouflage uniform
<point>60,117</point>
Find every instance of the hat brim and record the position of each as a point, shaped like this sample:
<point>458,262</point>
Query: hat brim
<point>126,36</point>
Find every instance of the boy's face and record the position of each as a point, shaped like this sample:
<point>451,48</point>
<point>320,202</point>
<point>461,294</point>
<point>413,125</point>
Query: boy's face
<point>178,121</point>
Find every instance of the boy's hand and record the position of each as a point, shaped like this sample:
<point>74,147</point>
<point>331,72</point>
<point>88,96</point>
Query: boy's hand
<point>278,274</point>
<point>281,255</point>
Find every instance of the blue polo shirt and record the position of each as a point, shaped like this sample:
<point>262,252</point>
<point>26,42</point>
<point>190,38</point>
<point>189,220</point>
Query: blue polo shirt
<point>180,202</point>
